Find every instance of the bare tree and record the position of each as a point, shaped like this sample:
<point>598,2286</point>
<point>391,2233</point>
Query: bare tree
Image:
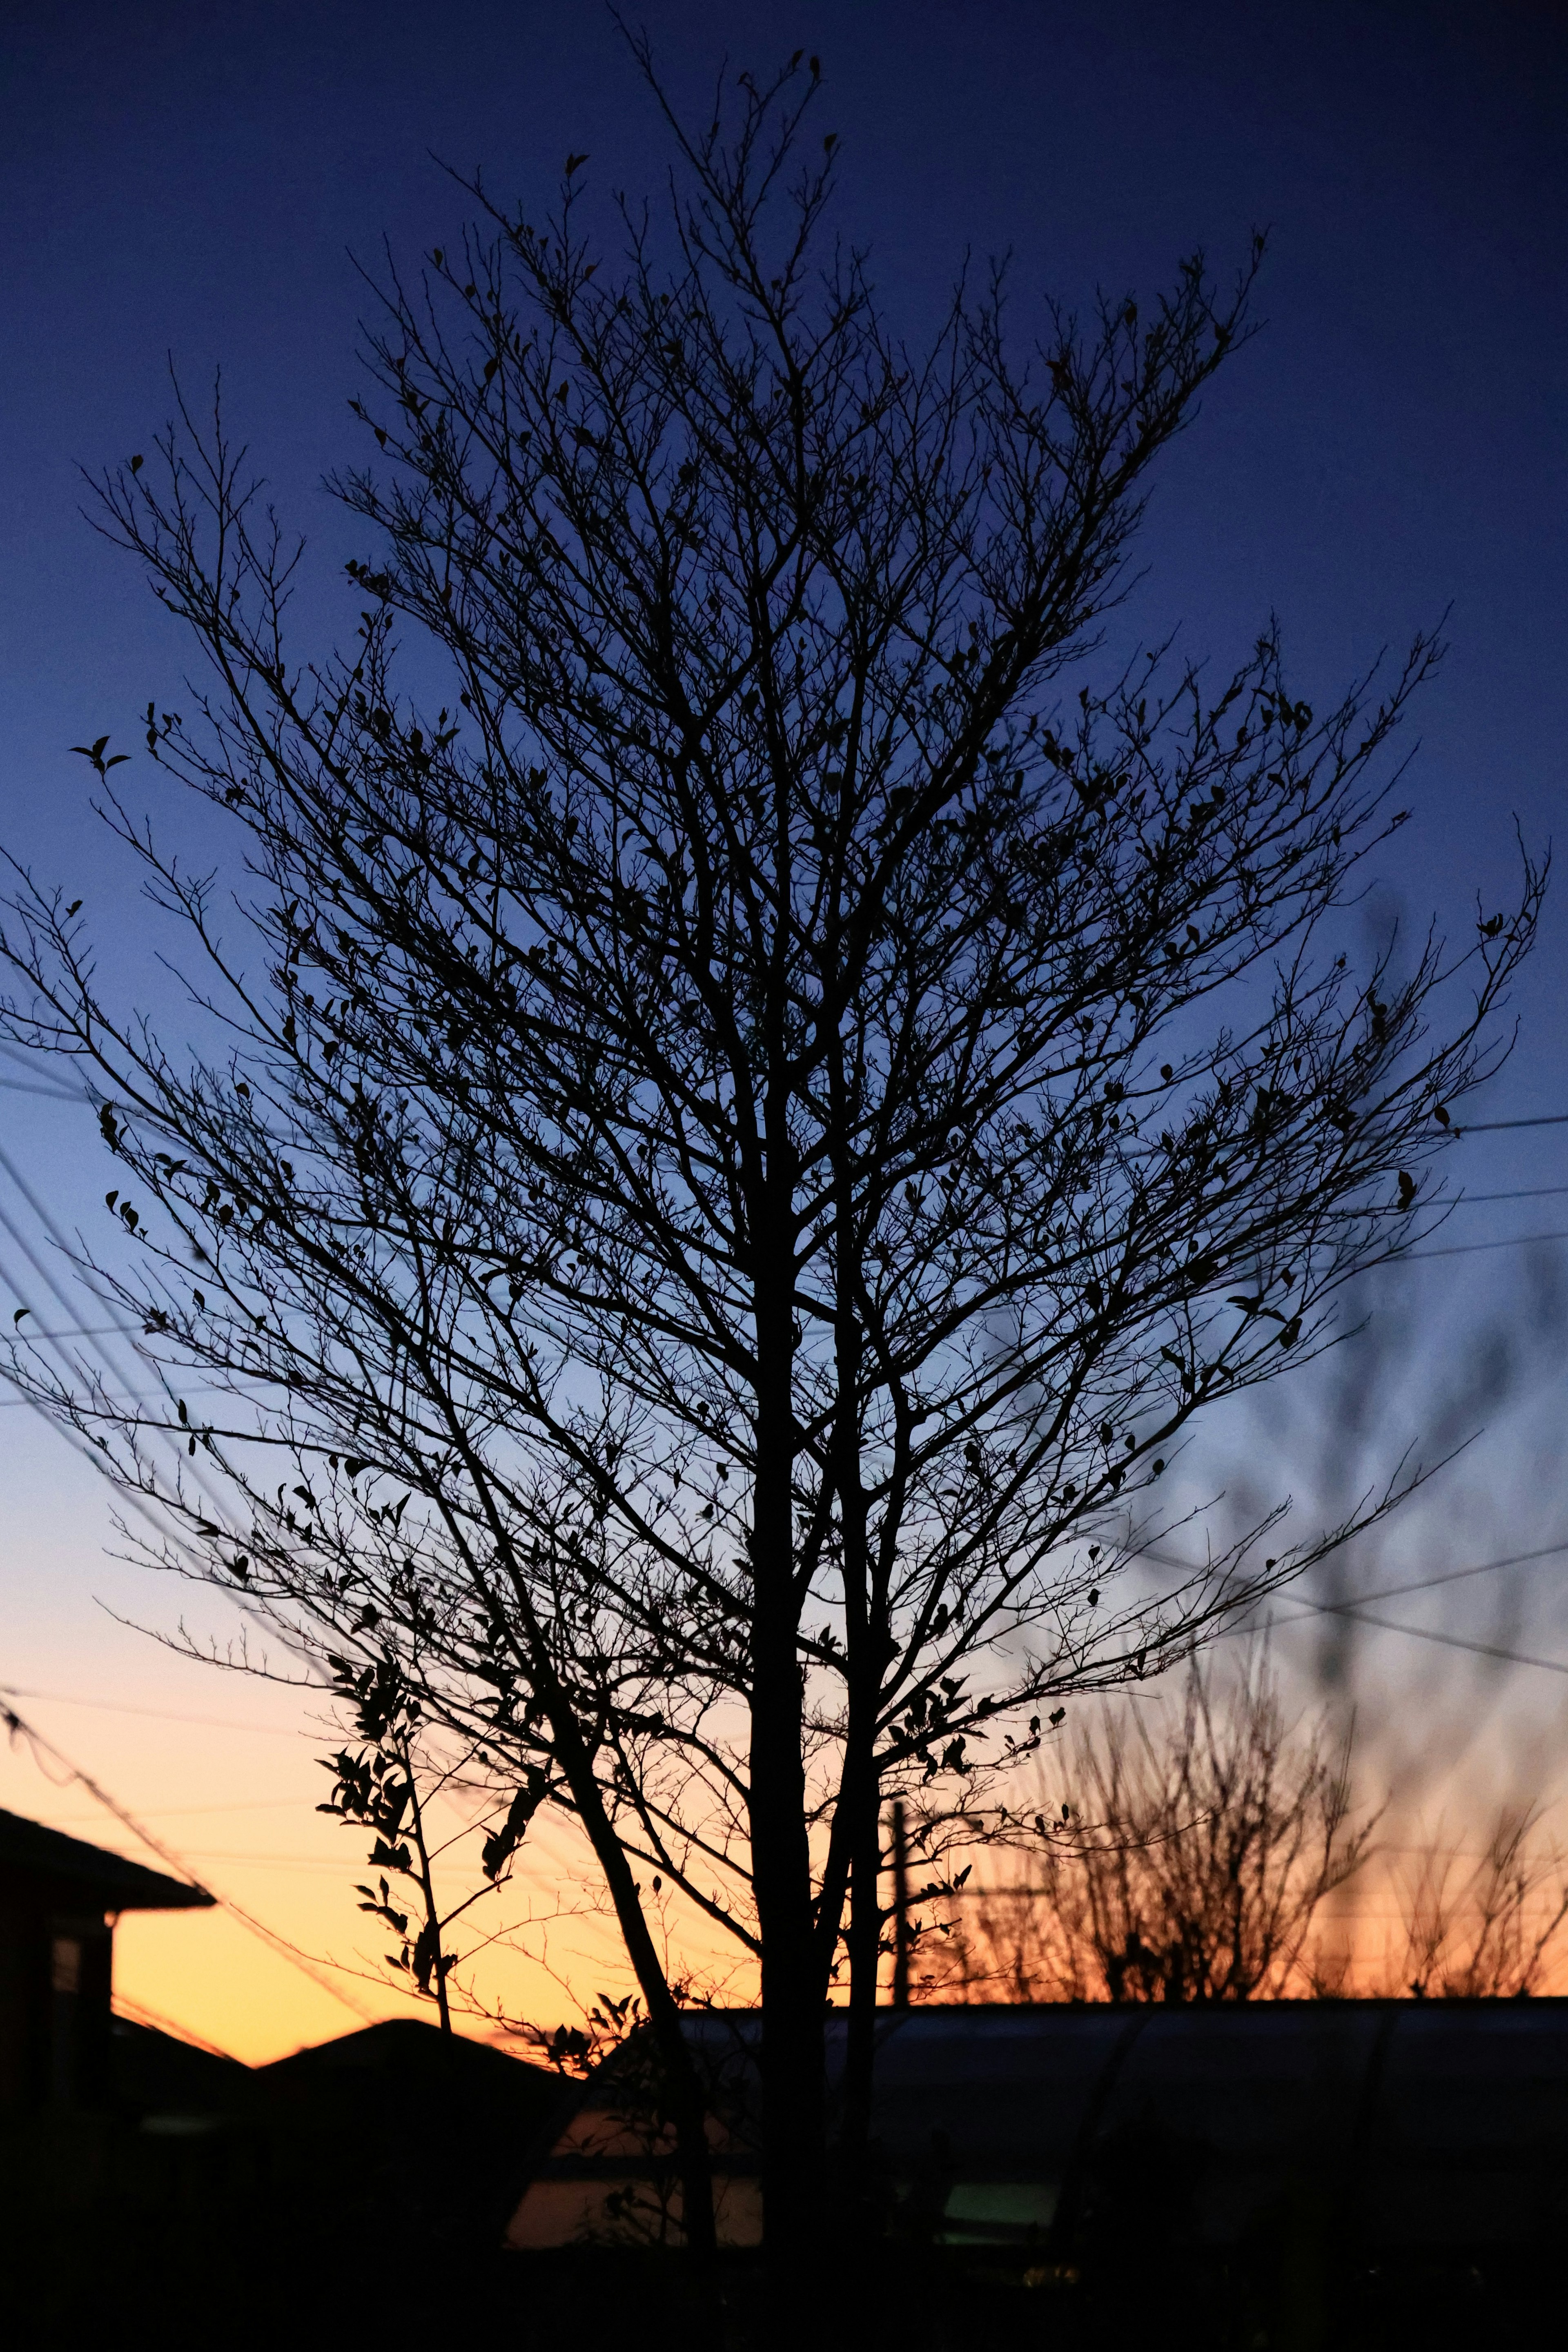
<point>756,1123</point>
<point>1480,1926</point>
<point>1189,1864</point>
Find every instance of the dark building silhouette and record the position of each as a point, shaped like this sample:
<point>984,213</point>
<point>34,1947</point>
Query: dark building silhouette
<point>59,1898</point>
<point>1273,2173</point>
<point>425,2133</point>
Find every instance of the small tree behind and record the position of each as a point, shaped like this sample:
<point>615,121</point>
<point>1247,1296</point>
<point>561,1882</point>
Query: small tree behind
<point>383,1781</point>
<point>1190,1862</point>
<point>1480,1926</point>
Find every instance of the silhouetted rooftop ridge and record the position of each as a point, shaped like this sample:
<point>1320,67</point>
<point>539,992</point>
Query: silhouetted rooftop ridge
<point>118,1883</point>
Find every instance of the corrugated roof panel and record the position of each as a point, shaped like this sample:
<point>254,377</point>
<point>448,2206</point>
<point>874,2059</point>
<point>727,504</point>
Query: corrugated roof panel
<point>1000,2087</point>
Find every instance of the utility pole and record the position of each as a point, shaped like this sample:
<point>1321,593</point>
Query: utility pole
<point>900,1907</point>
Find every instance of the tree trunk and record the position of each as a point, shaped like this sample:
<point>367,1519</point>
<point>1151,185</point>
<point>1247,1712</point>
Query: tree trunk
<point>864,1628</point>
<point>862,1793</point>
<point>688,2098</point>
<point>901,1908</point>
<point>793,2010</point>
<point>427,1886</point>
<point>792,2054</point>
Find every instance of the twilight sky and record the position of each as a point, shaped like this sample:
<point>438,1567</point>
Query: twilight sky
<point>188,182</point>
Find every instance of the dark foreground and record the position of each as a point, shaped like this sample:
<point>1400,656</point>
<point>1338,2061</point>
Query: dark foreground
<point>229,2240</point>
<point>358,2195</point>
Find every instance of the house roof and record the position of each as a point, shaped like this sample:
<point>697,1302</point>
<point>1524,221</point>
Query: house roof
<point>29,1850</point>
<point>158,2074</point>
<point>407,2057</point>
<point>356,2106</point>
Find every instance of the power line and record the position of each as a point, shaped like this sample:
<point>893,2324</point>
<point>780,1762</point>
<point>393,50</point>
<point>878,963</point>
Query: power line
<point>1467,1249</point>
<point>318,1861</point>
<point>1355,1610</point>
<point>191,1468</point>
<point>1387,1591</point>
<point>133,1497</point>
<point>1495,1126</point>
<point>57,1089</point>
<point>127,1396</point>
<point>52,1090</point>
<point>140,2014</point>
<point>1450,1575</point>
<point>101,1330</point>
<point>237,1805</point>
<point>48,1094</point>
<point>138,1501</point>
<point>1529,1193</point>
<point>1306,1609</point>
<point>104,1358</point>
<point>157,1714</point>
<point>1448,1641</point>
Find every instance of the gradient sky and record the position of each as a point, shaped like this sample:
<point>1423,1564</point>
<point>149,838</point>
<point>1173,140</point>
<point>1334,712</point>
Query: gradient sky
<point>193,182</point>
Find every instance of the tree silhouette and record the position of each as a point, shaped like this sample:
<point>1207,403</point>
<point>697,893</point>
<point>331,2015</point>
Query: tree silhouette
<point>1190,1863</point>
<point>761,1114</point>
<point>1479,1926</point>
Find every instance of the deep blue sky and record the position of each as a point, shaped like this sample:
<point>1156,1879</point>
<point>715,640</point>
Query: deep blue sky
<point>191,180</point>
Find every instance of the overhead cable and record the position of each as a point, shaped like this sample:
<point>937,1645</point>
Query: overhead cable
<point>1355,1610</point>
<point>1495,1126</point>
<point>1452,1641</point>
<point>48,1094</point>
<point>1529,1193</point>
<point>158,1714</point>
<point>191,1468</point>
<point>1468,1249</point>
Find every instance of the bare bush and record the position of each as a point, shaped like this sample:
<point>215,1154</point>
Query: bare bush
<point>1480,1926</point>
<point>1204,1837</point>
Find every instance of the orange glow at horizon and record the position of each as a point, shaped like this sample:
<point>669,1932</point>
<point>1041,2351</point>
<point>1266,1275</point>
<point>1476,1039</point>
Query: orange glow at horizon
<point>225,1770</point>
<point>236,1805</point>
